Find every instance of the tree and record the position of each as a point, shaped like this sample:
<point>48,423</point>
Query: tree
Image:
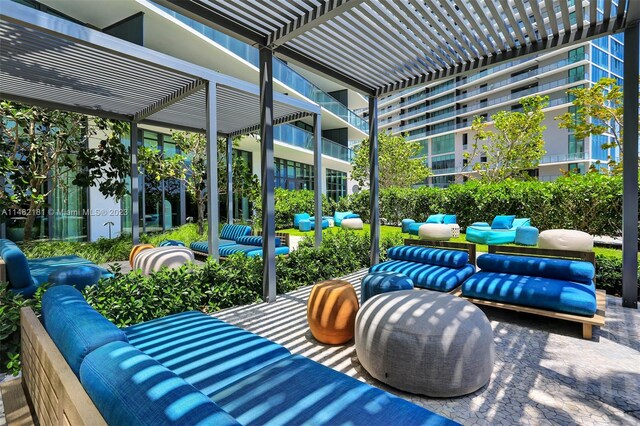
<point>598,111</point>
<point>517,144</point>
<point>42,150</point>
<point>396,159</point>
<point>190,167</point>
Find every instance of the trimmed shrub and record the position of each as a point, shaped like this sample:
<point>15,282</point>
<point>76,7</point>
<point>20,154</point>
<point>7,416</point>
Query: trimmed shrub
<point>609,274</point>
<point>101,251</point>
<point>590,203</point>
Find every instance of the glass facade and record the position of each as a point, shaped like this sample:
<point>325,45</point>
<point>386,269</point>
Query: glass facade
<point>443,144</point>
<point>293,175</point>
<point>336,184</point>
<point>443,163</point>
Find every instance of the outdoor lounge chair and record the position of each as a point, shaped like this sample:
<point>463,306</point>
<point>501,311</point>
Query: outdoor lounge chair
<point>228,236</point>
<point>501,231</point>
<point>26,275</point>
<point>186,369</point>
<point>413,227</point>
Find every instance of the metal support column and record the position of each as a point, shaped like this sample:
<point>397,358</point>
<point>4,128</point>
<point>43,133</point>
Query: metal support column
<point>212,171</point>
<point>229,180</point>
<point>374,185</point>
<point>268,184</point>
<point>317,166</point>
<point>183,204</point>
<point>135,212</point>
<point>163,188</point>
<point>630,169</point>
<point>5,218</point>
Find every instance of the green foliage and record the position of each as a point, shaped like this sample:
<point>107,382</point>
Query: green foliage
<point>609,274</point>
<point>598,110</point>
<point>10,305</point>
<point>288,203</point>
<point>590,203</point>
<point>187,233</point>
<point>396,159</point>
<point>189,166</point>
<point>103,250</point>
<point>516,146</point>
<point>39,146</point>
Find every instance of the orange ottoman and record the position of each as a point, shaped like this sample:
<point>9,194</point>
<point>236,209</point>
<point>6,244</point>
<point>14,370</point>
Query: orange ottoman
<point>331,311</point>
<point>137,249</point>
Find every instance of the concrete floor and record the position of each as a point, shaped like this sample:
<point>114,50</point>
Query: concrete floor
<point>545,373</point>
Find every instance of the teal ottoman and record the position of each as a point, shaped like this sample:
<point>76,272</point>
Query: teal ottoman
<point>383,282</point>
<point>527,235</point>
<point>304,225</point>
<point>78,276</point>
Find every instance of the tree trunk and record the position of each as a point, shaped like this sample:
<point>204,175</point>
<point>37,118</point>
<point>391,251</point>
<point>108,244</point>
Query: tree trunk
<point>200,203</point>
<point>30,221</point>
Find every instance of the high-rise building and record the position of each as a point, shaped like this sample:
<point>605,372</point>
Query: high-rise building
<point>164,204</point>
<point>439,115</point>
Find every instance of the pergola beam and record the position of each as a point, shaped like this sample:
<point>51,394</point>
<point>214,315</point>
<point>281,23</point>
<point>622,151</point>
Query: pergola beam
<point>280,120</point>
<point>187,90</point>
<point>328,9</point>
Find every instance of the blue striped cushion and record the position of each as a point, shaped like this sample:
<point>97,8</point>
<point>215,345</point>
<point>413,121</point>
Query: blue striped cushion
<point>255,241</point>
<point>233,232</point>
<point>431,256</point>
<point>169,243</point>
<point>203,246</point>
<point>431,277</point>
<point>250,251</point>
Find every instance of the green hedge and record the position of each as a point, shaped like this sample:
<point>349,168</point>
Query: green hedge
<point>133,298</point>
<point>591,203</point>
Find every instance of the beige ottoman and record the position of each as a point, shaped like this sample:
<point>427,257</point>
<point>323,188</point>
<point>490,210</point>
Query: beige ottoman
<point>355,223</point>
<point>153,259</point>
<point>455,230</point>
<point>435,232</point>
<point>565,239</point>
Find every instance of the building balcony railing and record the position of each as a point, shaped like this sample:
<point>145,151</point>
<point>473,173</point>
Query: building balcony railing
<point>295,136</point>
<point>281,71</point>
<point>565,158</point>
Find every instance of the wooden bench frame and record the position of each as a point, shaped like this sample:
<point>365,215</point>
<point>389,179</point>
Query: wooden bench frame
<point>284,238</point>
<point>52,394</point>
<point>468,247</point>
<point>587,322</point>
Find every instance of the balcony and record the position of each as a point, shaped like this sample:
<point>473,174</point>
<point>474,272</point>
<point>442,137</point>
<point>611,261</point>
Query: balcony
<point>281,71</point>
<point>295,136</point>
<point>565,158</point>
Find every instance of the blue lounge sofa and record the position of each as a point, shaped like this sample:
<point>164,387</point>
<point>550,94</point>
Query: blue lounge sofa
<point>501,231</point>
<point>228,236</point>
<point>429,268</point>
<point>447,219</point>
<point>190,368</point>
<point>558,285</point>
<point>26,275</point>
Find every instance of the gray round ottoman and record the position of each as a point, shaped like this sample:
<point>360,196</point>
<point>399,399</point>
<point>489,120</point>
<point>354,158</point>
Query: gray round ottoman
<point>425,342</point>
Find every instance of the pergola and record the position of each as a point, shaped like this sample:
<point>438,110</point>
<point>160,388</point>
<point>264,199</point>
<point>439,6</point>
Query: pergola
<point>380,46</point>
<point>54,63</point>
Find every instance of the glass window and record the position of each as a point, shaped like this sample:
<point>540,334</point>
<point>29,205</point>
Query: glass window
<point>602,42</point>
<point>600,57</point>
<point>293,175</point>
<point>442,181</point>
<point>597,152</point>
<point>617,49</point>
<point>424,148</point>
<point>576,74</point>
<point>444,162</point>
<point>577,54</point>
<point>598,73</point>
<point>336,184</point>
<point>617,66</point>
<point>576,146</point>
<point>443,144</point>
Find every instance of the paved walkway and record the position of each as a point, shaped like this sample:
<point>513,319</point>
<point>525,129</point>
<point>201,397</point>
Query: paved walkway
<point>545,373</point>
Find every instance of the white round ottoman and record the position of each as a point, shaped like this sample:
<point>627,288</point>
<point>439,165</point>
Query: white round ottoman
<point>435,232</point>
<point>354,223</point>
<point>565,239</point>
<point>425,342</point>
<point>153,259</point>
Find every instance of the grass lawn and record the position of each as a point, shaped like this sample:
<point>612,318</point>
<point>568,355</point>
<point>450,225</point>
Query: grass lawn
<point>391,230</point>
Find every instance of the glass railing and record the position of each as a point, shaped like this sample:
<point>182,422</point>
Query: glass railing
<point>295,136</point>
<point>562,158</point>
<point>281,71</point>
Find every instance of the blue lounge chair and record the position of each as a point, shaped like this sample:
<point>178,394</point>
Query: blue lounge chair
<point>501,231</point>
<point>228,236</point>
<point>413,227</point>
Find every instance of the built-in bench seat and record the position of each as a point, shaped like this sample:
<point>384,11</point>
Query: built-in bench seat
<point>187,369</point>
<point>251,246</point>
<point>26,275</point>
<point>228,236</point>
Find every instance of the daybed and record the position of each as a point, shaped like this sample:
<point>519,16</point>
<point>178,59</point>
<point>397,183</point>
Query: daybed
<point>185,369</point>
<point>539,281</point>
<point>501,231</point>
<point>440,269</point>
<point>338,217</point>
<point>252,246</point>
<point>413,227</point>
<point>26,275</point>
<point>228,236</point>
